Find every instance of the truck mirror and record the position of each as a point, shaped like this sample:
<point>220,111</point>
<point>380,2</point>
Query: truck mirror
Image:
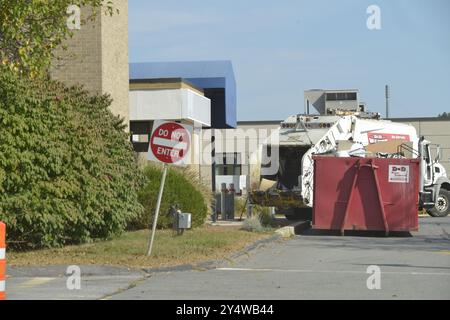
<point>438,153</point>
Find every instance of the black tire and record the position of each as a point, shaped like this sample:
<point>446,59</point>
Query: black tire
<point>442,207</point>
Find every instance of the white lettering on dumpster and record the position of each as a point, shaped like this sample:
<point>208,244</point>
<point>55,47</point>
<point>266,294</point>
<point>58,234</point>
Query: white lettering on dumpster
<point>398,174</point>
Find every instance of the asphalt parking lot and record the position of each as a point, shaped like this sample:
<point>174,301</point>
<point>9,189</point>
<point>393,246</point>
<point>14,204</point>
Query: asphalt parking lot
<point>308,266</point>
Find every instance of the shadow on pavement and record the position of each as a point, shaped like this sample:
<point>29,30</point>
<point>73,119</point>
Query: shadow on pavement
<point>355,233</point>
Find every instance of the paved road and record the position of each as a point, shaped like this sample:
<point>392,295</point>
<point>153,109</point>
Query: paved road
<point>308,266</point>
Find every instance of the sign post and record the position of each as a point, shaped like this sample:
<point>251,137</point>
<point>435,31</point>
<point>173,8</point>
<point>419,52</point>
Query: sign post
<point>169,144</point>
<point>158,205</point>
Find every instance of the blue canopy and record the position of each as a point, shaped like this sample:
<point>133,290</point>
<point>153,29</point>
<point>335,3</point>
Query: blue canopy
<point>216,78</point>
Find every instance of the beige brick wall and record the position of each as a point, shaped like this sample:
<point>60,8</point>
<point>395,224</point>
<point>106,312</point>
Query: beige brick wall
<point>97,57</point>
<point>81,63</point>
<point>115,74</point>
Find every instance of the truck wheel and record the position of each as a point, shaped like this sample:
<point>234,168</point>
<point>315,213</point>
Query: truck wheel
<point>442,207</point>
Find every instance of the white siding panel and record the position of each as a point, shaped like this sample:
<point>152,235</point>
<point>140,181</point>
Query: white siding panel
<point>173,104</point>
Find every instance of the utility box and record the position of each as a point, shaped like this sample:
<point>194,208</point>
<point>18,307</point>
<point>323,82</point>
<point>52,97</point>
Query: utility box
<point>366,194</point>
<point>184,221</point>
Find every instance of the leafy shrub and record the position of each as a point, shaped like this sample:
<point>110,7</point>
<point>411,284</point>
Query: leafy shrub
<point>67,169</point>
<point>265,216</point>
<point>178,190</point>
<point>253,224</point>
<point>192,176</point>
<point>261,221</point>
<point>240,207</point>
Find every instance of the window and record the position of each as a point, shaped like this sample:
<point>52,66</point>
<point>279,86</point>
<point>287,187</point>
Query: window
<point>140,135</point>
<point>331,97</point>
<point>342,96</point>
<point>352,96</point>
<point>228,164</point>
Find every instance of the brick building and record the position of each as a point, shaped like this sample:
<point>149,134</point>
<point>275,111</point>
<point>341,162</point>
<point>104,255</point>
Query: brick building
<point>97,57</point>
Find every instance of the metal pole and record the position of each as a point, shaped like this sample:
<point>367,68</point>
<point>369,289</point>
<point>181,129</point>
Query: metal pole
<point>387,101</point>
<point>222,201</point>
<point>158,205</point>
<point>213,173</point>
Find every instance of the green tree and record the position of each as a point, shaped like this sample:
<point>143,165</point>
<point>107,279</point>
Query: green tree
<point>444,115</point>
<point>67,169</point>
<point>31,30</point>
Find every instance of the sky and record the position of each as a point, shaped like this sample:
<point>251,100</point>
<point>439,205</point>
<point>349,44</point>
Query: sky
<point>281,48</point>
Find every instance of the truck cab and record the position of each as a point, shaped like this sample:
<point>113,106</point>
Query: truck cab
<point>434,183</point>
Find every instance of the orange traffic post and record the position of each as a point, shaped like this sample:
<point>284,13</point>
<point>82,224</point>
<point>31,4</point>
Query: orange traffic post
<point>2,261</point>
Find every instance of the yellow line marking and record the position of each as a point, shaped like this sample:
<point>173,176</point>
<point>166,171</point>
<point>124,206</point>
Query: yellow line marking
<point>444,252</point>
<point>35,282</point>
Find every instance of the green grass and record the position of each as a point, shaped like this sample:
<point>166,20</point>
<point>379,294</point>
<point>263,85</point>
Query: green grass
<point>129,250</point>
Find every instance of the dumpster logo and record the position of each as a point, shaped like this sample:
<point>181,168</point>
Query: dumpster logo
<point>375,137</point>
<point>398,174</point>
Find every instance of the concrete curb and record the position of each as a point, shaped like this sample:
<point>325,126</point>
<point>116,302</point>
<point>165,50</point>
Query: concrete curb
<point>60,271</point>
<point>294,229</point>
<point>101,270</point>
<point>213,264</point>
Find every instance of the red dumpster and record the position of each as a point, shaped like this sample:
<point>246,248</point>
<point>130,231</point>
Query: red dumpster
<point>366,194</point>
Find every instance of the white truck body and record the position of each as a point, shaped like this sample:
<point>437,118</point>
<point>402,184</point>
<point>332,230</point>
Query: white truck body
<point>302,136</point>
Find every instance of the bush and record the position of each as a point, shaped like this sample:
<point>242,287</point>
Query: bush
<point>262,220</point>
<point>253,224</point>
<point>265,216</point>
<point>240,207</point>
<point>67,168</point>
<point>179,189</point>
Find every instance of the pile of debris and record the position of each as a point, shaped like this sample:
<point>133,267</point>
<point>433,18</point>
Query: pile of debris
<point>397,149</point>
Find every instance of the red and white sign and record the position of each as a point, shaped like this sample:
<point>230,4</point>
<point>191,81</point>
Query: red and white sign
<point>170,143</point>
<point>375,137</point>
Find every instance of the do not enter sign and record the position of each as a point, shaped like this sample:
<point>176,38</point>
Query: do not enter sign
<point>170,142</point>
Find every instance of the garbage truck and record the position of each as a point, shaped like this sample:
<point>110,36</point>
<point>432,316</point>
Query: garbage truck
<point>358,134</point>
